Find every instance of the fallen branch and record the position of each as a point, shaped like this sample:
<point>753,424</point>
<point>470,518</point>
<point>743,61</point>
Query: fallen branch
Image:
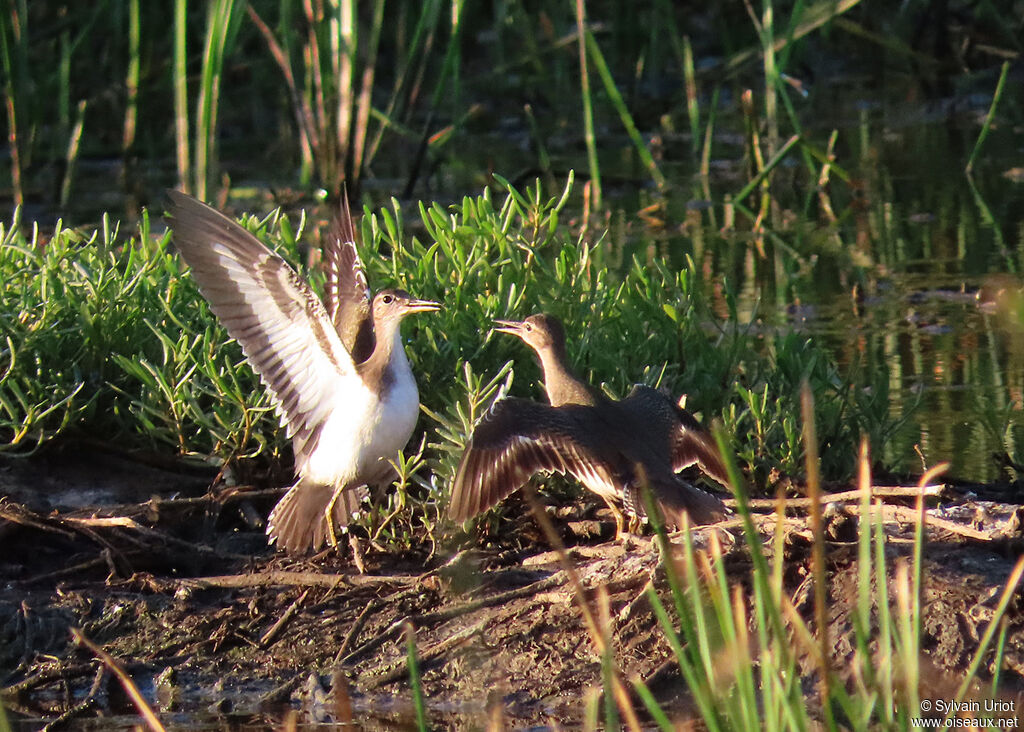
<point>18,514</point>
<point>910,516</point>
<point>296,579</point>
<point>104,558</point>
<point>354,631</point>
<point>792,522</point>
<point>854,495</point>
<point>281,692</point>
<point>267,637</point>
<point>223,497</point>
<point>468,607</point>
<point>125,522</point>
<point>82,706</point>
<point>45,674</point>
<point>890,514</point>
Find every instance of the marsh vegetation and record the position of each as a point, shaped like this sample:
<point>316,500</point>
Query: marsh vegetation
<point>744,205</point>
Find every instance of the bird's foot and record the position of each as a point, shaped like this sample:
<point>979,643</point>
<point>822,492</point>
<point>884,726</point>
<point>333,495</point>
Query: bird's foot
<point>628,534</point>
<point>357,552</point>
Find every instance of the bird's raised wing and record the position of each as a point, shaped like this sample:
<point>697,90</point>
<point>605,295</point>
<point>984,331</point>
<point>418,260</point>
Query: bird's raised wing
<point>516,439</point>
<point>692,443</point>
<point>673,440</point>
<point>282,327</point>
<point>346,293</point>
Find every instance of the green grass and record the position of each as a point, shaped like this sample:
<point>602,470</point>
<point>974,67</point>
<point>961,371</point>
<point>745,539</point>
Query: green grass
<point>419,701</point>
<point>328,62</point>
<point>103,334</point>
<point>222,20</point>
<point>750,658</point>
<point>105,337</point>
<point>108,337</point>
<point>332,90</point>
<point>740,645</point>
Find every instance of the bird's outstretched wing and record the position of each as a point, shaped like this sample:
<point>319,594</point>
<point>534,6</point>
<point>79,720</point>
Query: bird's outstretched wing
<point>689,443</point>
<point>514,440</point>
<point>675,440</point>
<point>692,443</point>
<point>282,327</point>
<point>346,293</point>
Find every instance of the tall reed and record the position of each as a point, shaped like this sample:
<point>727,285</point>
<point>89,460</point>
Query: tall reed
<point>17,91</point>
<point>222,17</point>
<point>594,52</point>
<point>987,124</point>
<point>331,74</point>
<point>589,134</point>
<point>131,82</point>
<point>180,81</point>
<point>739,649</point>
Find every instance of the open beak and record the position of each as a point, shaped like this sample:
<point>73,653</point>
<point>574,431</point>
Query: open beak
<point>422,306</point>
<point>513,327</point>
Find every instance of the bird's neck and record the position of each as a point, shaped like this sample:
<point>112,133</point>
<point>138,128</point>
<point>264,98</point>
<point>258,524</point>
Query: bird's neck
<point>560,382</point>
<point>388,361</point>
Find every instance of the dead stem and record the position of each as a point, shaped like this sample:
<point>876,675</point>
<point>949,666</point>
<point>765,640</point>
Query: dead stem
<point>129,686</point>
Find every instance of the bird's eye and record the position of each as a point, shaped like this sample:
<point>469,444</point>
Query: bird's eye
<point>528,327</point>
<point>388,299</point>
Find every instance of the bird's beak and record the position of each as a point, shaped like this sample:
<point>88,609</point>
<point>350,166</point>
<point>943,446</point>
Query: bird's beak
<point>422,306</point>
<point>513,327</point>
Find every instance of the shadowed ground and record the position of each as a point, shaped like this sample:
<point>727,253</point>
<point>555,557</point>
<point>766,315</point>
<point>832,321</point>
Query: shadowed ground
<point>191,602</point>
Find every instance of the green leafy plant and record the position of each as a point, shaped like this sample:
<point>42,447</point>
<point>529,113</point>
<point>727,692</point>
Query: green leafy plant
<point>108,335</point>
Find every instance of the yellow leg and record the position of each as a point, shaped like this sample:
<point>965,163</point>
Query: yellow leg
<point>617,514</point>
<point>636,525</point>
<point>332,538</point>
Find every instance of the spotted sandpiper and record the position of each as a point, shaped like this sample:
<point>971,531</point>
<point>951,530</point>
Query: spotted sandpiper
<point>336,370</point>
<point>613,448</point>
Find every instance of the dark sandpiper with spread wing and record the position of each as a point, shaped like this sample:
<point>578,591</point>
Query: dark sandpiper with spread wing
<point>611,447</point>
<point>336,370</point>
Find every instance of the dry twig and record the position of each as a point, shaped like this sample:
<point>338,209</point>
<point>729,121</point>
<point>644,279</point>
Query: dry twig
<point>267,637</point>
<point>129,686</point>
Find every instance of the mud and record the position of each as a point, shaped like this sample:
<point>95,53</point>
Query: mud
<point>176,583</point>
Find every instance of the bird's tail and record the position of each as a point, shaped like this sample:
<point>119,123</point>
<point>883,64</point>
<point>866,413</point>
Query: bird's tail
<point>699,505</point>
<point>298,523</point>
<point>674,498</point>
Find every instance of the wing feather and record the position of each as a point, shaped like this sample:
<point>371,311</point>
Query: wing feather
<point>346,292</point>
<point>688,442</point>
<point>516,439</point>
<point>692,443</point>
<point>282,327</point>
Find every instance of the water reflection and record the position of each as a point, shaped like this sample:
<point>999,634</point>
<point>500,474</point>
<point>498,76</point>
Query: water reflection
<point>912,278</point>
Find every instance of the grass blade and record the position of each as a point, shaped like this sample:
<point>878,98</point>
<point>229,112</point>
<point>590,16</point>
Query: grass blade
<point>180,79</point>
<point>590,136</point>
<point>620,106</point>
<point>414,678</point>
<point>987,125</point>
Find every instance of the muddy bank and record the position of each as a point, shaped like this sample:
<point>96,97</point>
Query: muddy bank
<point>177,584</point>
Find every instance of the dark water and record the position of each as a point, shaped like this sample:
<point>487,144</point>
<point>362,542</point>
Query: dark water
<point>914,279</point>
<point>915,274</point>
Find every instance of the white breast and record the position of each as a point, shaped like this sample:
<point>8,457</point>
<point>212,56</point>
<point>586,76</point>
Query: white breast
<point>364,430</point>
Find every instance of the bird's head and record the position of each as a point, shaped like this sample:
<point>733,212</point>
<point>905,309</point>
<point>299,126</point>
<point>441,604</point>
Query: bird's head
<point>393,305</point>
<point>539,331</point>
